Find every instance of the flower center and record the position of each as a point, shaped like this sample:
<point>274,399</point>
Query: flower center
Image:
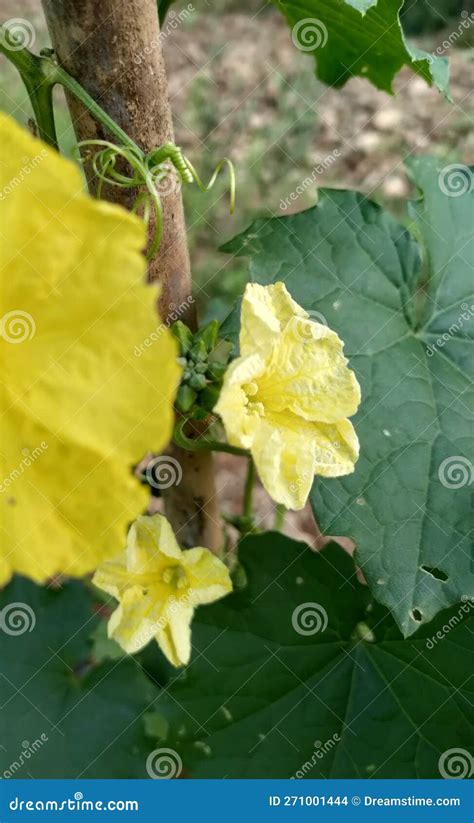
<point>174,576</point>
<point>254,406</point>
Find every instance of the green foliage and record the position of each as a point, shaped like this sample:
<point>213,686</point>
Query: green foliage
<point>422,15</point>
<point>90,714</point>
<point>376,48</point>
<point>163,6</point>
<point>300,662</point>
<point>204,359</point>
<point>408,336</point>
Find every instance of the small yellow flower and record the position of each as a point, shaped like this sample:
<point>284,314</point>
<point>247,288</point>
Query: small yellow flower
<point>84,394</point>
<point>287,397</point>
<point>158,586</point>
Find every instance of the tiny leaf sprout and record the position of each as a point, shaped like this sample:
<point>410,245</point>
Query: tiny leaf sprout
<point>148,173</point>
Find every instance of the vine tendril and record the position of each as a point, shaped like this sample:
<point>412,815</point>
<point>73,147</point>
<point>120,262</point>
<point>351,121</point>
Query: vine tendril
<point>151,173</point>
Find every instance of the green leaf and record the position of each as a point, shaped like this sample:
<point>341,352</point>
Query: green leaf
<point>351,265</point>
<point>103,647</point>
<point>350,38</point>
<point>280,672</point>
<point>163,6</point>
<point>90,715</point>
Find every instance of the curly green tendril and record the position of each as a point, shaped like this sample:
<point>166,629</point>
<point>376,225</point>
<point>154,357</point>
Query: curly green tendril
<point>152,173</point>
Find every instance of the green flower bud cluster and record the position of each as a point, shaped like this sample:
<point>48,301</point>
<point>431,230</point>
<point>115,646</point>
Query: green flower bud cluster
<point>204,358</point>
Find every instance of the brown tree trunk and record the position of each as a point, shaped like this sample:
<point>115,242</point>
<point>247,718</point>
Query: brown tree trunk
<point>113,49</point>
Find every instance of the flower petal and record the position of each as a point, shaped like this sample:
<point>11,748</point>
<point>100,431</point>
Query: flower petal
<point>239,419</point>
<point>288,452</point>
<point>175,638</point>
<point>308,374</point>
<point>149,538</point>
<point>134,622</point>
<point>208,577</point>
<point>83,381</point>
<point>265,312</point>
<point>336,448</point>
<point>285,462</point>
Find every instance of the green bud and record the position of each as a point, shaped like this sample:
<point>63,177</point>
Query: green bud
<point>200,414</point>
<point>208,334</point>
<point>208,397</point>
<point>216,371</point>
<point>183,336</point>
<point>197,381</point>
<point>198,351</point>
<point>185,399</point>
<point>221,353</point>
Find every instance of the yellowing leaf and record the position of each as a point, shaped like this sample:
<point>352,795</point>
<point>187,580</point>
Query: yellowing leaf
<point>84,393</point>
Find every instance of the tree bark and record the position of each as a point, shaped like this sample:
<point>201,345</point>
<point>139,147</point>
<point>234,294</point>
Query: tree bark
<point>113,50</point>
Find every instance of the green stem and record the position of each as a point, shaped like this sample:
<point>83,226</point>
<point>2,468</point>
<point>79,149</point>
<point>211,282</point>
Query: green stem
<point>34,73</point>
<point>41,98</point>
<point>280,512</point>
<point>247,512</point>
<point>40,75</point>
<point>64,79</point>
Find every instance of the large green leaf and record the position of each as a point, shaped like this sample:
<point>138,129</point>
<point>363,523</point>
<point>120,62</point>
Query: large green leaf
<point>90,716</point>
<point>407,506</point>
<point>288,678</point>
<point>358,37</point>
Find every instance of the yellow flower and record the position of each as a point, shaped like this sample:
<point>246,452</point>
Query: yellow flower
<point>83,396</point>
<point>287,397</point>
<point>158,587</point>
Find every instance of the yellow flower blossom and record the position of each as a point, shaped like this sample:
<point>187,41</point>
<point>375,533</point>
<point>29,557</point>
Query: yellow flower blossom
<point>158,586</point>
<point>78,406</point>
<point>287,397</point>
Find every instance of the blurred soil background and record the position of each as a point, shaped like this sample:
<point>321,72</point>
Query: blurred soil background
<point>239,88</point>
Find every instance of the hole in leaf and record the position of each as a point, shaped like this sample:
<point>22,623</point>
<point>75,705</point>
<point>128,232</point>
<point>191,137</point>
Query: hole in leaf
<point>417,615</point>
<point>437,573</point>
